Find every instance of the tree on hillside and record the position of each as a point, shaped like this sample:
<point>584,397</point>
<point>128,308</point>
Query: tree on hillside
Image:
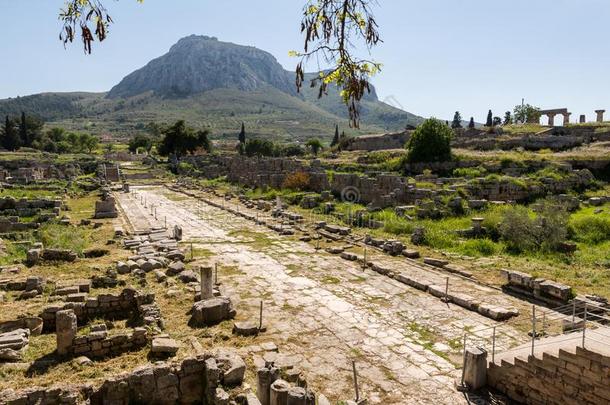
<point>332,30</point>
<point>489,121</point>
<point>430,142</point>
<point>10,136</point>
<point>508,118</point>
<point>335,141</point>
<point>259,147</point>
<point>88,142</point>
<point>178,140</point>
<point>242,134</point>
<point>471,123</point>
<point>315,145</point>
<point>457,120</point>
<point>29,129</point>
<point>138,142</point>
<point>497,121</point>
<point>526,113</point>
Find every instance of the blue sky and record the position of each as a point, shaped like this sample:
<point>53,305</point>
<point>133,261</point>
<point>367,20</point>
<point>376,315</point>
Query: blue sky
<point>439,56</point>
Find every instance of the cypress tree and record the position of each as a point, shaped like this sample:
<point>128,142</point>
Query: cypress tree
<point>471,123</point>
<point>490,118</point>
<point>23,131</point>
<point>242,134</point>
<point>336,137</point>
<point>10,140</point>
<point>457,120</point>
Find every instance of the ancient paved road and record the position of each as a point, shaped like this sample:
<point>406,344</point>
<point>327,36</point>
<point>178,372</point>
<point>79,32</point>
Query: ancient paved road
<point>324,311</point>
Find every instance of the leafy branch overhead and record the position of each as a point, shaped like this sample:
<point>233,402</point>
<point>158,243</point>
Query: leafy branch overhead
<point>88,19</point>
<point>333,29</point>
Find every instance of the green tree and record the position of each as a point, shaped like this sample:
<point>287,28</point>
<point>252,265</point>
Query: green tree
<point>497,121</point>
<point>140,142</point>
<point>29,129</point>
<point>471,123</point>
<point>489,121</point>
<point>178,140</point>
<point>315,145</point>
<point>335,140</point>
<point>242,134</point>
<point>10,136</point>
<point>508,118</point>
<point>88,142</point>
<point>457,120</point>
<point>430,142</point>
<point>526,113</point>
<point>259,147</point>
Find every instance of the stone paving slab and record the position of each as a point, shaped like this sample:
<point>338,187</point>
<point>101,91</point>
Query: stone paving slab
<point>326,311</point>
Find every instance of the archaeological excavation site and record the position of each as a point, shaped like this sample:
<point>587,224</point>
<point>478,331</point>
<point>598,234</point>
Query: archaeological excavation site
<point>325,202</point>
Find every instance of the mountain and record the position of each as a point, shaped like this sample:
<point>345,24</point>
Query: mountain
<point>211,84</point>
<point>198,63</point>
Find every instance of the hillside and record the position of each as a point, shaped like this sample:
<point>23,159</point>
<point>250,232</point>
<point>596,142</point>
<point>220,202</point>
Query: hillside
<point>210,84</point>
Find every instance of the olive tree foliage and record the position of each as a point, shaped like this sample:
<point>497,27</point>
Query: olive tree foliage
<point>87,19</point>
<point>332,30</point>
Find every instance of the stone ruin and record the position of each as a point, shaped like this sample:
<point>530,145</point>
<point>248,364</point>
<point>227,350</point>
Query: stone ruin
<point>29,287</point>
<point>211,309</point>
<point>106,206</point>
<point>383,189</point>
<point>552,293</point>
<point>96,344</point>
<point>129,304</point>
<point>204,379</point>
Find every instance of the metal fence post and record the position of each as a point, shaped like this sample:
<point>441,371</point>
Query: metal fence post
<point>493,346</point>
<point>464,360</point>
<point>533,327</point>
<point>573,312</point>
<point>584,327</point>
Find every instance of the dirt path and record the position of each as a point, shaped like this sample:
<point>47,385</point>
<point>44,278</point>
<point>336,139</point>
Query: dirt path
<point>321,310</point>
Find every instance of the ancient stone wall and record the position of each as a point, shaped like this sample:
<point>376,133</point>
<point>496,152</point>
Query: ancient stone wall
<point>582,377</point>
<point>104,306</point>
<point>197,380</point>
<point>379,142</point>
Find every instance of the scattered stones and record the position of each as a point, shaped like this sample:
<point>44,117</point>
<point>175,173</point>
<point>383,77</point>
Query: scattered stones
<point>435,262</point>
<point>211,312</point>
<point>232,368</point>
<point>163,345</point>
<point>83,361</point>
<point>245,328</point>
<point>188,276</point>
<point>175,268</point>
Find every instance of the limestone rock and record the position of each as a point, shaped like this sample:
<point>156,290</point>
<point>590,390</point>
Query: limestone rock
<point>188,276</point>
<point>232,368</point>
<point>163,345</point>
<point>174,268</point>
<point>211,312</point>
<point>245,328</point>
<point>10,355</point>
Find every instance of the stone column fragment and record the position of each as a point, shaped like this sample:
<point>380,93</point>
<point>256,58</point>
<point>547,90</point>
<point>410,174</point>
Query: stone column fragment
<point>207,283</point>
<point>65,327</point>
<point>297,396</point>
<point>279,393</point>
<point>475,368</point>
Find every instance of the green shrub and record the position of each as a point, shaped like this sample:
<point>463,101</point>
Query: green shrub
<point>478,171</point>
<point>590,229</point>
<point>430,142</point>
<point>479,247</point>
<point>523,231</point>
